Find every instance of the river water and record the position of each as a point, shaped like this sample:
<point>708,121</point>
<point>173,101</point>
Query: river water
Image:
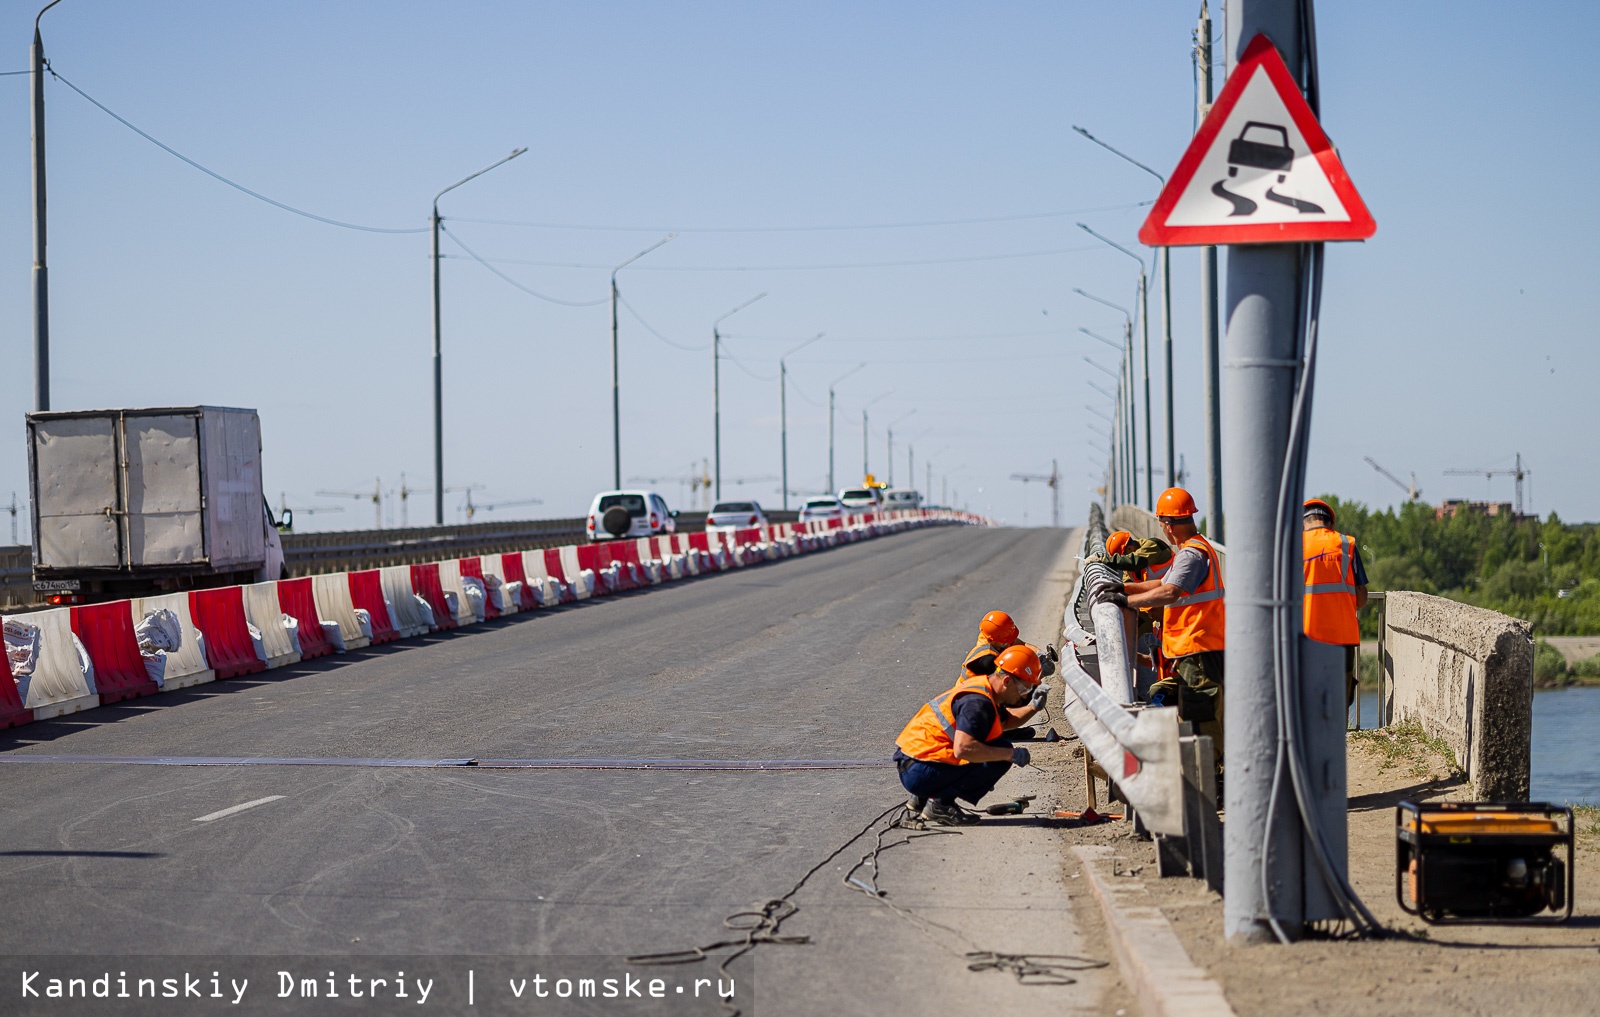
<point>1566,749</point>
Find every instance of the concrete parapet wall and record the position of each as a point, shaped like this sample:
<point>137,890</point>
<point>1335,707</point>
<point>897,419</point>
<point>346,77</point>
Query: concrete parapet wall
<point>1465,674</point>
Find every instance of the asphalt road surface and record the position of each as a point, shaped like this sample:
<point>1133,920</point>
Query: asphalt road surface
<point>819,657</point>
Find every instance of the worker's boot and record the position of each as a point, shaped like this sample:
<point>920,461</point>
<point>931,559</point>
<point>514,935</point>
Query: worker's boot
<point>947,814</point>
<point>915,804</point>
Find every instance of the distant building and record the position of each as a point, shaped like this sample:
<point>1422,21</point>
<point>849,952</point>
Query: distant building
<point>1454,506</point>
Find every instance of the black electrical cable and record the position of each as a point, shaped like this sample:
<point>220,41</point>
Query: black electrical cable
<point>218,176</point>
<point>802,229</point>
<point>506,278</point>
<point>656,332</point>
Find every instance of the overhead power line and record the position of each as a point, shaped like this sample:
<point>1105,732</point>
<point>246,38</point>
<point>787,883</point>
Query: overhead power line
<point>803,268</point>
<point>218,176</point>
<point>653,331</point>
<point>506,278</point>
<point>805,229</point>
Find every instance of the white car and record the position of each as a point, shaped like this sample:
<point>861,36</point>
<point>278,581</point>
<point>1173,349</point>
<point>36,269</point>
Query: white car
<point>617,515</point>
<point>901,498</point>
<point>826,507</point>
<point>860,499</point>
<point>735,515</point>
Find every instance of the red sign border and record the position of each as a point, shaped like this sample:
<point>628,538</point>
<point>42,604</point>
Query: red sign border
<point>1262,55</point>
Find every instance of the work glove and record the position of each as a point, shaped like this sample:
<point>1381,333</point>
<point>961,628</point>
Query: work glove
<point>1095,559</point>
<point>1040,694</point>
<point>1051,652</point>
<point>1105,590</point>
<point>1020,757</point>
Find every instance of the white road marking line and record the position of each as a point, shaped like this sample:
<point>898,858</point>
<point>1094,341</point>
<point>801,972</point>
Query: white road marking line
<point>236,808</point>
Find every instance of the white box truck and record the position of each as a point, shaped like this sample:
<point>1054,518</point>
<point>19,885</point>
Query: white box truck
<point>133,502</point>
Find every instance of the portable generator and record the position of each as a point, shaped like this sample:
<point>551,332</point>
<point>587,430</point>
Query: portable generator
<point>1484,862</point>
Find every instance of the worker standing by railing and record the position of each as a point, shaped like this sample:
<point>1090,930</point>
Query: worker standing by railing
<point>1194,619</point>
<point>1336,588</point>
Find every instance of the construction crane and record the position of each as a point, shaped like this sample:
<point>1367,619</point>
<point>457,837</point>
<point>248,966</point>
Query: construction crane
<point>376,498</point>
<point>468,488</point>
<point>406,491</point>
<point>288,512</point>
<point>1051,480</point>
<point>1413,492</point>
<point>472,509</point>
<point>1489,473</point>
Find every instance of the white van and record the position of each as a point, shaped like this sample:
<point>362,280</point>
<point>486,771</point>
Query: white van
<point>901,498</point>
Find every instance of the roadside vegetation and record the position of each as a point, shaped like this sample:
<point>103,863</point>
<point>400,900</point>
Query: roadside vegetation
<point>1406,746</point>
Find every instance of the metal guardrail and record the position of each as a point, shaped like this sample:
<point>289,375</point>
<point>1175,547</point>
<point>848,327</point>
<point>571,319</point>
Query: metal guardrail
<point>308,554</point>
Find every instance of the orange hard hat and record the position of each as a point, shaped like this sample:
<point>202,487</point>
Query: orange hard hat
<point>1117,541</point>
<point>997,627</point>
<point>1318,505</point>
<point>1020,662</point>
<point>1175,503</point>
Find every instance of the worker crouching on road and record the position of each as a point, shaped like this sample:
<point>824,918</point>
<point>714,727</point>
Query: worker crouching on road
<point>1193,621</point>
<point>996,634</point>
<point>955,746</point>
<point>1336,588</point>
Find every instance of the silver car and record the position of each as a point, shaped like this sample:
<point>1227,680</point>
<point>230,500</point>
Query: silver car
<point>735,515</point>
<point>827,507</point>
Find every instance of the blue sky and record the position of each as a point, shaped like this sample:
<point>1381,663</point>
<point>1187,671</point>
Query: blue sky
<point>1459,335</point>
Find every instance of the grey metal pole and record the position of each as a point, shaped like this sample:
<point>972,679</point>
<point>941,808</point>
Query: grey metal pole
<point>1166,348</point>
<point>1149,456</point>
<point>864,467</point>
<point>783,416</point>
<point>1210,361</point>
<point>831,488</point>
<point>41,270</point>
<point>438,384</point>
<point>1265,869</point>
<point>438,358</point>
<point>890,479</point>
<point>616,395</point>
<point>716,404</point>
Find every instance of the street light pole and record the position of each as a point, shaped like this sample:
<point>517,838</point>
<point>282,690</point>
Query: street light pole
<point>1166,310</point>
<point>1144,317</point>
<point>1210,361</point>
<point>1131,462</point>
<point>41,270</point>
<point>890,478</point>
<point>438,357</point>
<point>716,382</point>
<point>865,468</point>
<point>616,389</point>
<point>783,410</point>
<point>832,487</point>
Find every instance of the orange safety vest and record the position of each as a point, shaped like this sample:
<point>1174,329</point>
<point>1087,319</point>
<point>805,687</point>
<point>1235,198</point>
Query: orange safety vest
<point>979,651</point>
<point>1197,622</point>
<point>1330,615</point>
<point>931,734</point>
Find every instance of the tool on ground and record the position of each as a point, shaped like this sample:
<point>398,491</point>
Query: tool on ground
<point>1014,807</point>
<point>1484,862</point>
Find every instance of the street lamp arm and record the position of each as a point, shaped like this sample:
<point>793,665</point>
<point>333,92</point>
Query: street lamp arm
<point>641,254</point>
<point>802,346</point>
<point>1112,243</point>
<point>1096,335</point>
<point>458,183</point>
<point>1100,367</point>
<point>47,6</point>
<point>845,375</point>
<point>1101,300</point>
<point>1122,155</point>
<point>731,313</point>
<point>1105,392</point>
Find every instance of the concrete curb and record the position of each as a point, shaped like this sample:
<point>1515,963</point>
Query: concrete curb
<point>1153,963</point>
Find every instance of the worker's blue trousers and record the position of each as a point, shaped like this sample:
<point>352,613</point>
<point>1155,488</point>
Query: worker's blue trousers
<point>946,782</point>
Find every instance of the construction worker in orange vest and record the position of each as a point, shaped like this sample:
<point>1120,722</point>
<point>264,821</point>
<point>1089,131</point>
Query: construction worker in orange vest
<point>1145,558</point>
<point>955,745</point>
<point>1336,588</point>
<point>997,633</point>
<point>1193,621</point>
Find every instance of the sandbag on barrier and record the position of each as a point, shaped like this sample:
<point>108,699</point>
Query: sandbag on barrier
<point>571,569</point>
<point>187,665</point>
<point>219,615</point>
<point>450,582</point>
<point>472,568</point>
<point>12,712</point>
<point>398,591</point>
<point>263,610</point>
<point>514,569</point>
<point>298,601</point>
<point>498,583</point>
<point>425,581</point>
<point>106,631</point>
<point>366,593</point>
<point>552,590</point>
<point>332,595</point>
<point>58,685</point>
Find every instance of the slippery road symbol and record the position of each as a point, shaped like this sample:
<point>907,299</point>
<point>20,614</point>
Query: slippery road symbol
<point>1267,150</point>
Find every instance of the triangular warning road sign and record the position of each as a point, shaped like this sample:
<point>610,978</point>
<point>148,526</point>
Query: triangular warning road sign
<point>1259,170</point>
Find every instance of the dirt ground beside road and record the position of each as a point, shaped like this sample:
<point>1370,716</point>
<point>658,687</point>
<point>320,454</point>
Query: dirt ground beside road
<point>1461,971</point>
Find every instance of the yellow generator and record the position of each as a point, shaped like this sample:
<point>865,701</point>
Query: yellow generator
<point>1484,861</point>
